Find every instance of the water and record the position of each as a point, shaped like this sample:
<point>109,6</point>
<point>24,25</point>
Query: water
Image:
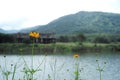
<point>62,67</point>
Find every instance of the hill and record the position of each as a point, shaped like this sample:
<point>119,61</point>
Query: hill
<point>29,29</point>
<point>8,31</point>
<point>1,30</point>
<point>84,22</point>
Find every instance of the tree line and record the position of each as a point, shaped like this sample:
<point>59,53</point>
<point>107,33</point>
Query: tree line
<point>96,38</point>
<point>8,38</point>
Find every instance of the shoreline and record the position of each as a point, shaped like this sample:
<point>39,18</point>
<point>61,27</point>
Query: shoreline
<point>21,48</point>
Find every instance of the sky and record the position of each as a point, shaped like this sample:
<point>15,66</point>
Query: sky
<point>19,14</point>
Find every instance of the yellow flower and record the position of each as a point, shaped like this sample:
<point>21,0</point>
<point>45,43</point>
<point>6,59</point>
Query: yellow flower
<point>31,34</point>
<point>76,55</point>
<point>34,34</point>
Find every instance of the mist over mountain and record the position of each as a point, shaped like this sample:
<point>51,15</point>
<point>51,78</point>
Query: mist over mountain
<point>8,31</point>
<point>1,30</point>
<point>26,30</point>
<point>82,22</point>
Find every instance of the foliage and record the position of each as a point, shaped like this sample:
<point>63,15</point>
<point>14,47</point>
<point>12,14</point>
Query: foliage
<point>101,39</point>
<point>5,38</point>
<point>81,38</point>
<point>63,39</point>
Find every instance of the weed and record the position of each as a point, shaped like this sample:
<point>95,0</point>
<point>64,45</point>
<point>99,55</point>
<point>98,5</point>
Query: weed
<point>100,69</point>
<point>78,70</point>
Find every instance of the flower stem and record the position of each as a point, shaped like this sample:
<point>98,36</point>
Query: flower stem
<point>32,55</point>
<point>32,60</point>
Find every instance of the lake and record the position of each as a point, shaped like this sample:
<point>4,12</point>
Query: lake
<point>63,67</point>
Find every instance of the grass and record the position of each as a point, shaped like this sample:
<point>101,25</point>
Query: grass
<point>58,47</point>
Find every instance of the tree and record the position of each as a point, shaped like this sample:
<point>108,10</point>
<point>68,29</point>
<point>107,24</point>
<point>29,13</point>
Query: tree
<point>81,37</point>
<point>101,39</point>
<point>63,39</point>
<point>73,38</point>
<point>4,38</point>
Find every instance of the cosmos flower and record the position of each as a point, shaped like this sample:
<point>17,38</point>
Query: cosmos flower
<point>76,55</point>
<point>34,34</point>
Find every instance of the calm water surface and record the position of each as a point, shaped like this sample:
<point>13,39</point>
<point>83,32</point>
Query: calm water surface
<point>62,67</point>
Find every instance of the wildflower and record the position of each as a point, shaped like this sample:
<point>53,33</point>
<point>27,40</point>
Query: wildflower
<point>34,34</point>
<point>76,55</point>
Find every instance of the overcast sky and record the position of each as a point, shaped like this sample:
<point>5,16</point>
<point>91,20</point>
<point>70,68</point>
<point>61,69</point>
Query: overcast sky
<point>18,14</point>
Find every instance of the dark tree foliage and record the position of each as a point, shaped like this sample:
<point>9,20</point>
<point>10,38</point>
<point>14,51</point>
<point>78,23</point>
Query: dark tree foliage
<point>5,38</point>
<point>63,39</point>
<point>73,39</point>
<point>101,39</point>
<point>81,37</point>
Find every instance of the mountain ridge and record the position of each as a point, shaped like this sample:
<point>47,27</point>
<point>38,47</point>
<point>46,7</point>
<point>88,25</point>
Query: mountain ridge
<point>83,22</point>
<point>8,31</point>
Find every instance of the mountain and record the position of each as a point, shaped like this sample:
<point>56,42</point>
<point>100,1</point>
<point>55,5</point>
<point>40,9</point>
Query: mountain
<point>11,31</point>
<point>1,30</point>
<point>83,22</point>
<point>29,29</point>
<point>8,31</point>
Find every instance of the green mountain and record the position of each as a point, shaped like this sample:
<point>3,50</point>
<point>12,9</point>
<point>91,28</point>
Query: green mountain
<point>84,22</point>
